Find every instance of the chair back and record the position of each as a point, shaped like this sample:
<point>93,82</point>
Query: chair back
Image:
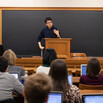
<point>90,87</point>
<point>77,54</point>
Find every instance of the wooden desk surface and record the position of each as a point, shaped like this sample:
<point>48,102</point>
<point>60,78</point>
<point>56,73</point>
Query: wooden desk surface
<point>38,60</point>
<point>76,79</point>
<point>91,92</point>
<point>31,64</point>
<point>68,59</point>
<point>73,63</point>
<point>82,92</point>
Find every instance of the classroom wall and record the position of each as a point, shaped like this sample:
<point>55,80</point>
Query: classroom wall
<point>51,3</point>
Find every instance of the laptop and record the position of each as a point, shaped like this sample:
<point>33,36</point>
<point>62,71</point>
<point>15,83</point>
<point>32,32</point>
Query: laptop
<point>70,79</point>
<point>15,75</point>
<point>55,97</point>
<point>92,98</point>
<point>83,69</point>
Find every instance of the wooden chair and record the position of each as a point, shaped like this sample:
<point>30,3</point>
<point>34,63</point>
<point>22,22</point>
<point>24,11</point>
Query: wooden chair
<point>90,87</point>
<point>69,71</point>
<point>77,73</point>
<point>102,71</point>
<point>77,54</point>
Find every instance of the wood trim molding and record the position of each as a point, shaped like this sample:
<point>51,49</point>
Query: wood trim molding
<point>53,8</point>
<point>0,27</point>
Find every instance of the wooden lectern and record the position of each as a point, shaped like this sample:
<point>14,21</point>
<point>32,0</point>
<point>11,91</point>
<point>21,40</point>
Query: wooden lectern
<point>61,46</point>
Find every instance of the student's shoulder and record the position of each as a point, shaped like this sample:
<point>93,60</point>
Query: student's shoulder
<point>9,76</point>
<point>18,67</point>
<point>73,90</point>
<point>83,77</point>
<point>15,68</point>
<point>101,76</point>
<point>40,66</point>
<point>74,87</point>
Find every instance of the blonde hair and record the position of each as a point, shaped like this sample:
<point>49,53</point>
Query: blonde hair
<point>10,56</point>
<point>37,87</point>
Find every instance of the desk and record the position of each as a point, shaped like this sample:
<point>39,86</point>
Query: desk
<point>76,79</point>
<point>82,92</point>
<point>91,92</point>
<point>33,70</point>
<point>72,62</point>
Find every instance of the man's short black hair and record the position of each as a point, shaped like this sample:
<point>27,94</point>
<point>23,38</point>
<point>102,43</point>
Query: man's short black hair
<point>3,64</point>
<point>49,56</point>
<point>47,18</point>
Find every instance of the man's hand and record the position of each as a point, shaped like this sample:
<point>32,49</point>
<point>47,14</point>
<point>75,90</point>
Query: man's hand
<point>41,47</point>
<point>56,32</point>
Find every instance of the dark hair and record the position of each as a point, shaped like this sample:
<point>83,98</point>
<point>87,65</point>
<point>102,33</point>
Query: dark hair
<point>47,18</point>
<point>49,56</point>
<point>1,50</point>
<point>59,75</point>
<point>93,68</point>
<point>3,64</point>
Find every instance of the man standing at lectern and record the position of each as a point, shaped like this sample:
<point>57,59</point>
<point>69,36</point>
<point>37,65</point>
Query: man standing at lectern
<point>48,32</point>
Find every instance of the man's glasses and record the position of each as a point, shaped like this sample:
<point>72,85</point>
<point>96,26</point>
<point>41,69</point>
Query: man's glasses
<point>49,22</point>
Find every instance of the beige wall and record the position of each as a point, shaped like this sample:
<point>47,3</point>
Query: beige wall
<point>51,3</point>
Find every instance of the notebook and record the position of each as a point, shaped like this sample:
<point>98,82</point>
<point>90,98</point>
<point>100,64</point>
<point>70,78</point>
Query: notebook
<point>83,69</point>
<point>92,98</point>
<point>55,97</point>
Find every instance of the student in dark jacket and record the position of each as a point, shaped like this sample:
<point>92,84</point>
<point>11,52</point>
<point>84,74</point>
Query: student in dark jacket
<point>93,75</point>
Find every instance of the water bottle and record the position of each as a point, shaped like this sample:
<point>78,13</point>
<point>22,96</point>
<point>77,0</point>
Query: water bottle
<point>24,77</point>
<point>26,74</point>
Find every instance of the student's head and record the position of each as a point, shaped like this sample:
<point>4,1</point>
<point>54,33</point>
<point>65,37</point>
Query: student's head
<point>93,68</point>
<point>10,56</point>
<point>37,88</point>
<point>59,74</point>
<point>3,64</point>
<point>49,56</point>
<point>48,22</point>
<point>58,71</point>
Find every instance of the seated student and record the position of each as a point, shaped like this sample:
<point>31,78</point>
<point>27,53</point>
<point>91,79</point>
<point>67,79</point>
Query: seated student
<point>8,83</point>
<point>48,57</point>
<point>93,76</point>
<point>37,88</point>
<point>10,56</point>
<point>59,75</point>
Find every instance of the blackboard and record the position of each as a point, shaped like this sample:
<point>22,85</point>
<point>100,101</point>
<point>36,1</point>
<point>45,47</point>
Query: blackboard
<point>20,29</point>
